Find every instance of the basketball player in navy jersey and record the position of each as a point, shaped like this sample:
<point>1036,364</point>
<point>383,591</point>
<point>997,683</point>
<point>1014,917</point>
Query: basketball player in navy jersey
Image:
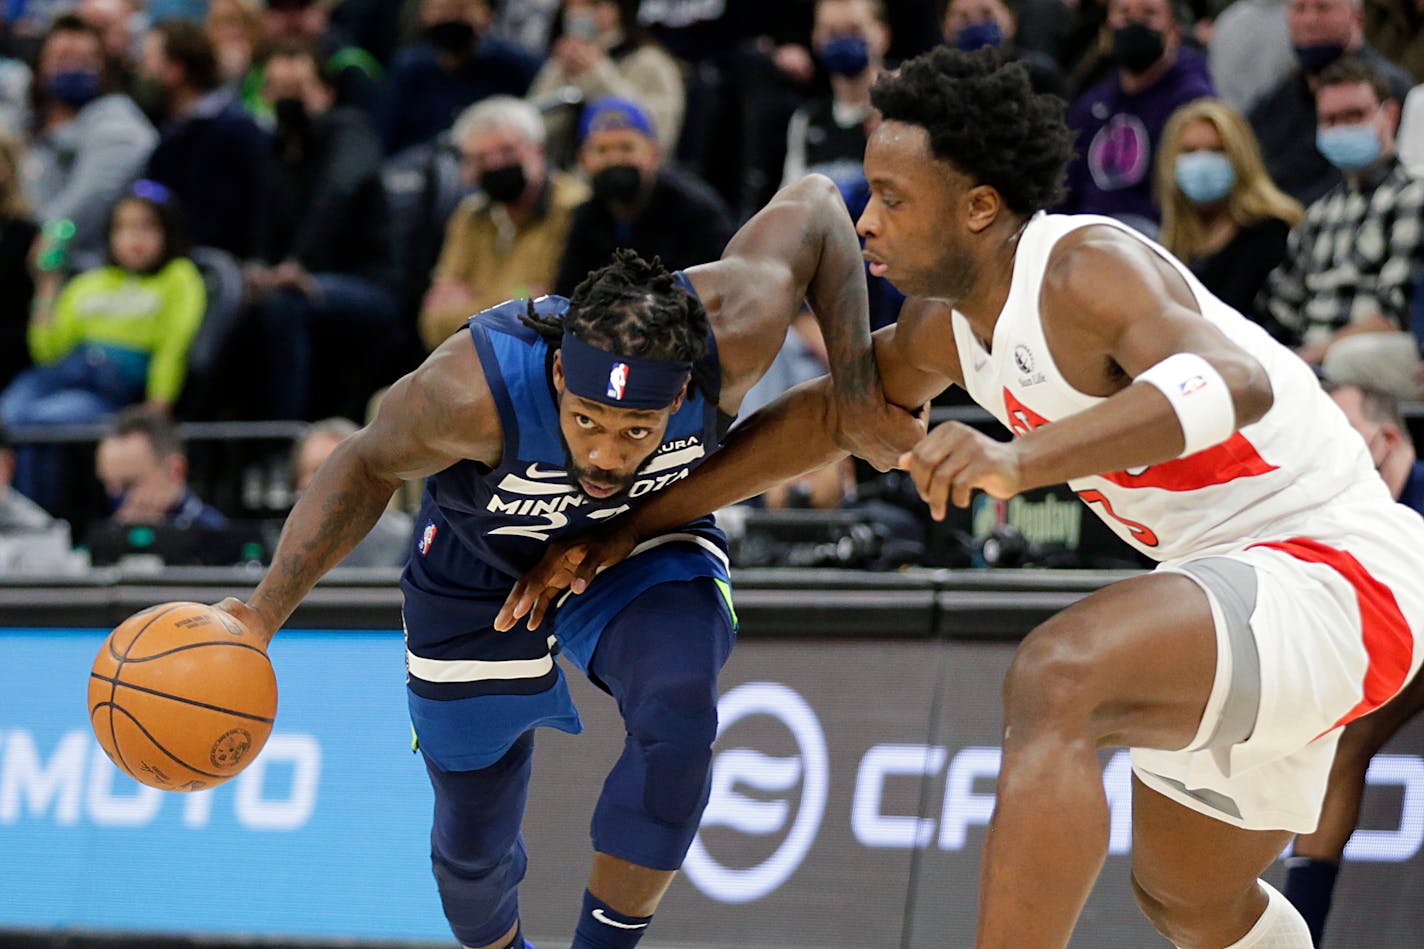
<point>545,417</point>
<point>1286,604</point>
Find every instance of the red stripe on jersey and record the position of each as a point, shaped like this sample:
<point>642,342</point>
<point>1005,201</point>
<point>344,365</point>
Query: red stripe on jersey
<point>1388,640</point>
<point>1234,458</point>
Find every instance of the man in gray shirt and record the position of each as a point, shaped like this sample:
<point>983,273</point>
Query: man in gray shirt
<point>18,514</point>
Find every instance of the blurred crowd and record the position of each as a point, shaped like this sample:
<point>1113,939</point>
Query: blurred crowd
<point>270,209</point>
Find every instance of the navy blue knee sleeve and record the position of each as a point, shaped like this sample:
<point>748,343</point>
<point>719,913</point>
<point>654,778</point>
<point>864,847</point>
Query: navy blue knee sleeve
<point>476,849</point>
<point>660,658</point>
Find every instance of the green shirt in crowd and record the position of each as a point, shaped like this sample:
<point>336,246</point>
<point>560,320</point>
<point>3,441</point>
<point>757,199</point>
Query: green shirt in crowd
<point>154,314</point>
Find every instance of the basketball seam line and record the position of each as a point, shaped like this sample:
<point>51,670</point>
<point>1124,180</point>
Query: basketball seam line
<point>149,735</point>
<point>206,642</point>
<point>113,692</point>
<point>177,698</point>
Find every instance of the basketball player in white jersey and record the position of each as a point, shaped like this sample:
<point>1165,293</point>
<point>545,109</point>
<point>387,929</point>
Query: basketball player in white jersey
<point>1288,601</point>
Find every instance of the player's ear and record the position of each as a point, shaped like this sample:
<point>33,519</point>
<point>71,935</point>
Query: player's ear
<point>983,204</point>
<point>559,371</point>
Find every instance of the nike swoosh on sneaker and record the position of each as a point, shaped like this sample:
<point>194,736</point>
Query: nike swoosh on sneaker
<point>599,915</point>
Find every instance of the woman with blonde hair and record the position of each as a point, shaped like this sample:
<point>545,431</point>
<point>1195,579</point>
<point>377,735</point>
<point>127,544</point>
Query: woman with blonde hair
<point>1221,213</point>
<point>17,235</point>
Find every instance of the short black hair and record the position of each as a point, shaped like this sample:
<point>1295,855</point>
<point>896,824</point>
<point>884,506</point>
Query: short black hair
<point>187,44</point>
<point>326,73</point>
<point>152,423</point>
<point>635,307</point>
<point>984,118</point>
<point>1349,70</point>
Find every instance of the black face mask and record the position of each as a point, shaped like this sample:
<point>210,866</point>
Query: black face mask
<point>618,184</point>
<point>505,184</point>
<point>293,121</point>
<point>451,36</point>
<point>1137,47</point>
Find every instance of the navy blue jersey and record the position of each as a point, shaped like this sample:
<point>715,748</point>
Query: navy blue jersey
<point>473,691</point>
<point>504,517</point>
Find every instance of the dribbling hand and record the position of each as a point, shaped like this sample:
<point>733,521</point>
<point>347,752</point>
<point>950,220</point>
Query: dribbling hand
<point>248,617</point>
<point>954,459</point>
<point>566,565</point>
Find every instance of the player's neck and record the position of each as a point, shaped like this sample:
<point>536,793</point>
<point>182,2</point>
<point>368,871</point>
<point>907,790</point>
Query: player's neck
<point>994,270</point>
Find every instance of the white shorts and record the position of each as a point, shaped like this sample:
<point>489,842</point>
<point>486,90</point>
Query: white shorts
<point>1313,630</point>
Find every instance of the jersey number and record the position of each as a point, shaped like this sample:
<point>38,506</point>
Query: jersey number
<point>552,522</point>
<point>1143,533</point>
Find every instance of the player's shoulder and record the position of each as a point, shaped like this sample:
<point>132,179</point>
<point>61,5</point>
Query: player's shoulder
<point>514,317</point>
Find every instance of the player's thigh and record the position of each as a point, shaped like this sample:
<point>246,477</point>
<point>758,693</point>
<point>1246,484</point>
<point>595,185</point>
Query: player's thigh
<point>668,642</point>
<point>1136,660</point>
<point>1184,860</point>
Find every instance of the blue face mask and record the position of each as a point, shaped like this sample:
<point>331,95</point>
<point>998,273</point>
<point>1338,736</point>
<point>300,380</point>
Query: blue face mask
<point>74,87</point>
<point>978,35</point>
<point>1205,177</point>
<point>1349,147</point>
<point>845,55</point>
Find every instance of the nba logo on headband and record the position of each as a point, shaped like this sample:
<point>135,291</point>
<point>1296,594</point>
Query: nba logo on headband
<point>617,380</point>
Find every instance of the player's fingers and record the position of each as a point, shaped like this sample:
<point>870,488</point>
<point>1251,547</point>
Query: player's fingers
<point>963,488</point>
<point>540,606</point>
<point>585,572</point>
<point>509,613</point>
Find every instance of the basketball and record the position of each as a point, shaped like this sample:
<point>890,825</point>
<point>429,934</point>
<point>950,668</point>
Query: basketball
<point>182,697</point>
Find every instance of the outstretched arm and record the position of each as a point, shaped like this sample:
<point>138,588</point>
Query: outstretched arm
<point>1149,317</point>
<point>785,439</point>
<point>439,414</point>
<point>801,247</point>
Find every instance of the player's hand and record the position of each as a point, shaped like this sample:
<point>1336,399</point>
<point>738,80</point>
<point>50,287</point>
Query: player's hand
<point>566,565</point>
<point>876,430</point>
<point>954,459</point>
<point>251,620</point>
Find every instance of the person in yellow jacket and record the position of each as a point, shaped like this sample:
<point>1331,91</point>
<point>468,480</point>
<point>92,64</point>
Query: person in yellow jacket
<point>117,334</point>
<point>110,337</point>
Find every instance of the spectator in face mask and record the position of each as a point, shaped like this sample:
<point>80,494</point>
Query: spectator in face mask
<point>457,64</point>
<point>355,73</point>
<point>657,211</point>
<point>1321,32</point>
<point>326,264</point>
<point>1119,121</point>
<point>1221,213</point>
<point>506,241</point>
<point>828,136</point>
<point>1344,289</point>
<point>602,50</point>
<point>89,142</point>
<point>972,24</point>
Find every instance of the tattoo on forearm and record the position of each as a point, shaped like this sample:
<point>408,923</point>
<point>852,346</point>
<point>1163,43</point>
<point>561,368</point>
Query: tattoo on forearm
<point>312,543</point>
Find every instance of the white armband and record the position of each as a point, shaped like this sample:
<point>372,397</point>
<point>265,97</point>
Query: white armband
<point>1198,395</point>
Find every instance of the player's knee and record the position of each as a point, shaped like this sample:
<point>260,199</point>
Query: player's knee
<point>673,730</point>
<point>1050,683</point>
<point>1188,915</point>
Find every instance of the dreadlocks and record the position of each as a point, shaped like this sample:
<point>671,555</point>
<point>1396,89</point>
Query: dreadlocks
<point>635,307</point>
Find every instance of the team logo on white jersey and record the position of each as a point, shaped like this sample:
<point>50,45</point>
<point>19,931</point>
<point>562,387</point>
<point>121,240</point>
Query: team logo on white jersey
<point>617,380</point>
<point>1023,359</point>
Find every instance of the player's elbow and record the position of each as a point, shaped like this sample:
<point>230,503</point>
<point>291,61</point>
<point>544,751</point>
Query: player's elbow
<point>1250,386</point>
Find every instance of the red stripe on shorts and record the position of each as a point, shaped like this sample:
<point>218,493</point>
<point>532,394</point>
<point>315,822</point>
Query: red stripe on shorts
<point>1388,640</point>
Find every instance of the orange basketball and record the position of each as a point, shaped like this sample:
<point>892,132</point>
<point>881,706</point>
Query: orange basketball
<point>182,696</point>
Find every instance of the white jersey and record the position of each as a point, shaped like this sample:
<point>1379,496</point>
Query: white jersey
<point>1263,482</point>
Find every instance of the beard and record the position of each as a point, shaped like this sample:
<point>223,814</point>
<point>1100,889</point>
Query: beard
<point>578,472</point>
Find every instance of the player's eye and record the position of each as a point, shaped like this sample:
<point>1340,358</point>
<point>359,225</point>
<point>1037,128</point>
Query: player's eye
<point>637,434</point>
<point>584,422</point>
